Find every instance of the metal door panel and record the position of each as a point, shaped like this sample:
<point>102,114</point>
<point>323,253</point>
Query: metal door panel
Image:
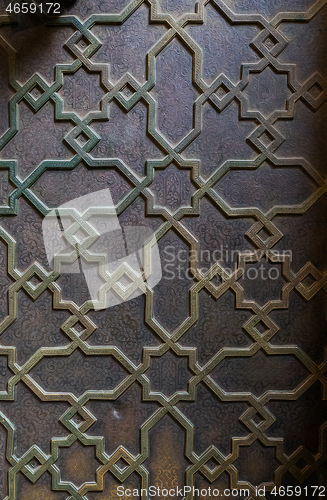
<point>206,122</point>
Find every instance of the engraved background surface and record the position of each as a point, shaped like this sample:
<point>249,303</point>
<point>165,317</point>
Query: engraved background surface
<point>207,121</point>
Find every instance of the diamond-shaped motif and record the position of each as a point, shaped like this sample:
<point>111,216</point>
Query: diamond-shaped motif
<point>316,93</point>
<point>316,90</point>
<point>81,236</point>
<point>79,328</point>
<point>36,92</point>
<point>309,281</point>
<point>212,464</point>
<point>216,281</point>
<point>77,419</point>
<point>270,42</point>
<point>274,42</point>
<point>34,464</point>
<point>34,282</point>
<point>125,281</point>
<point>257,419</point>
<point>122,464</point>
<point>253,235</point>
<point>262,328</point>
<point>222,91</point>
<point>266,139</point>
<point>82,139</point>
<point>301,463</point>
<point>264,235</point>
<point>83,44</point>
<point>127,91</point>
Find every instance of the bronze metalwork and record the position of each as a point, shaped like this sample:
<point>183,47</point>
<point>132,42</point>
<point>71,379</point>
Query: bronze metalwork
<point>207,122</point>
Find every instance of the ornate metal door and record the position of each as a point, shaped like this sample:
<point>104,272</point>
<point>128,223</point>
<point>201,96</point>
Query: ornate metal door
<point>206,121</point>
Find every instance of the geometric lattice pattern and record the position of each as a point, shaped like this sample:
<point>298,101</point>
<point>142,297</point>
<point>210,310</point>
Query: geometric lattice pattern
<point>206,120</point>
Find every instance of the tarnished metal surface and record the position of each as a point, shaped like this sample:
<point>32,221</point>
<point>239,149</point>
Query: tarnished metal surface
<point>207,122</point>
